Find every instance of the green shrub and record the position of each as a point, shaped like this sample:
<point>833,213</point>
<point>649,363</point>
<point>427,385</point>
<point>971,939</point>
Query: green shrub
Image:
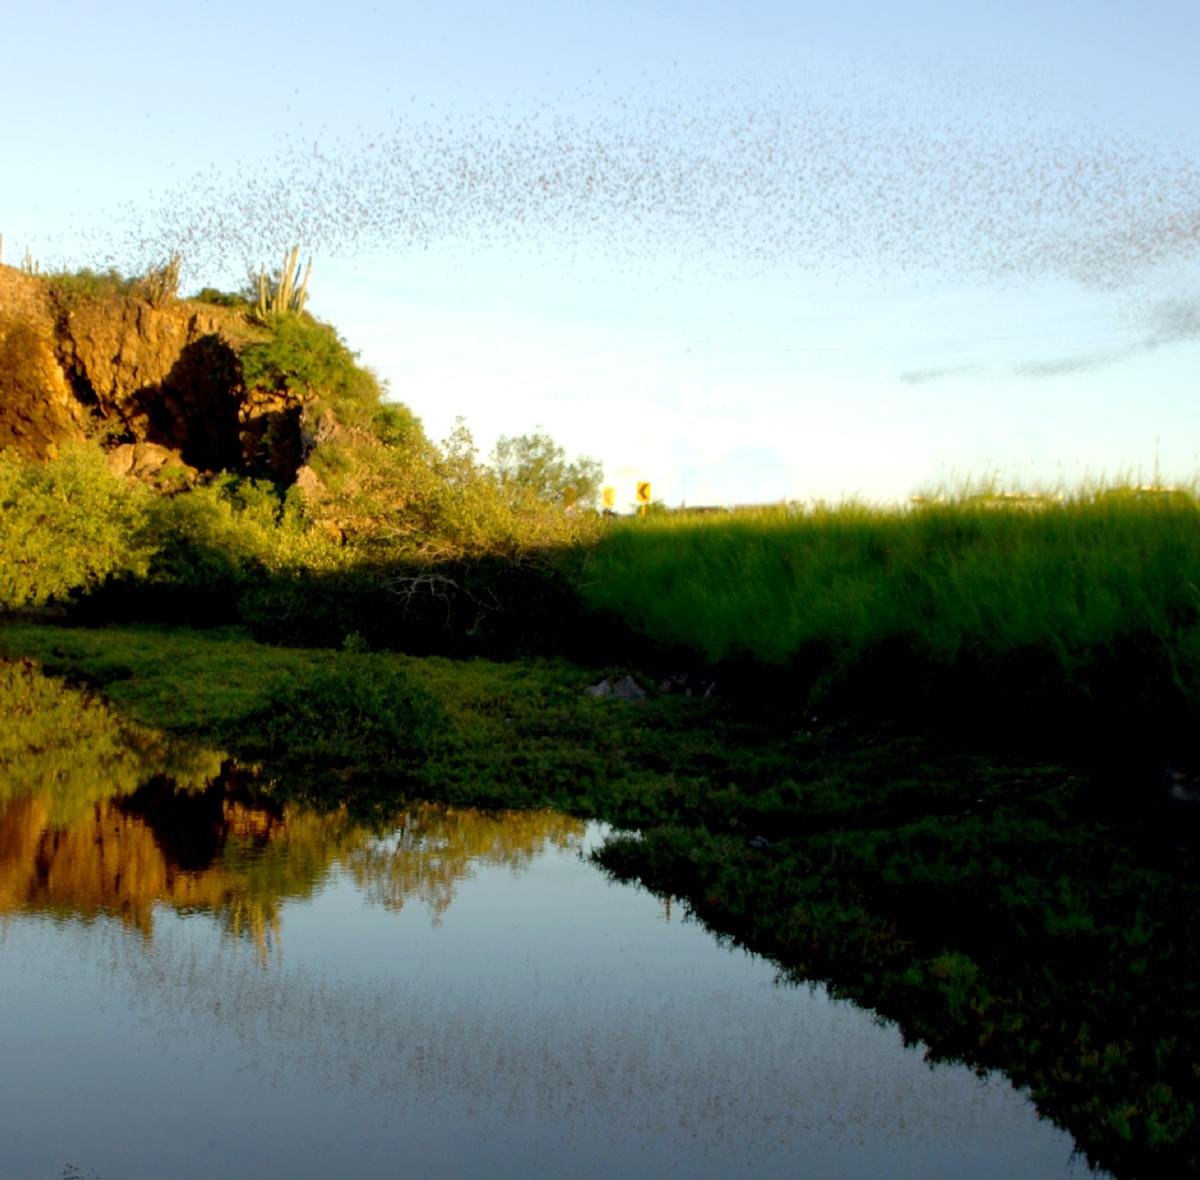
<point>158,286</point>
<point>395,425</point>
<point>357,711</point>
<point>535,465</point>
<point>86,285</point>
<point>217,529</point>
<point>308,359</point>
<point>218,298</point>
<point>207,549</point>
<point>66,526</point>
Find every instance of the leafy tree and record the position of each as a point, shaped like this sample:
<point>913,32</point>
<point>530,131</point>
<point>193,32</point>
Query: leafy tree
<point>534,464</point>
<point>409,497</point>
<point>396,425</point>
<point>64,747</point>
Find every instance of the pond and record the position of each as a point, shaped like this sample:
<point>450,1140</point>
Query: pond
<point>200,980</point>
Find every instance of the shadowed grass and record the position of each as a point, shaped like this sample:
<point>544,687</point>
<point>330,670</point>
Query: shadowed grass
<point>1059,601</point>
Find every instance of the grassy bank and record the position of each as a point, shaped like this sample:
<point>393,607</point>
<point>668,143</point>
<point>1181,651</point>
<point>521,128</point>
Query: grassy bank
<point>352,727</point>
<point>1076,612</point>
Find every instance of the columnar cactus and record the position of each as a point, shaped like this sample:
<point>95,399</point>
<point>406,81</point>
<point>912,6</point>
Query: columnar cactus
<point>290,291</point>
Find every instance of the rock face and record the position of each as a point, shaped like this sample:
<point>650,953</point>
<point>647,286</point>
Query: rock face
<point>619,688</point>
<point>38,409</point>
<point>116,366</point>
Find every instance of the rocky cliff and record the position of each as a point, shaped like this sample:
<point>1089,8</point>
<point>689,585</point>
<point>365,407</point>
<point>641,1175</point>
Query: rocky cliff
<point>158,384</point>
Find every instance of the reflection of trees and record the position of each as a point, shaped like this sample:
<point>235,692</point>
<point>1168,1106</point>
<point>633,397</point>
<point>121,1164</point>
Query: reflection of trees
<point>237,856</point>
<point>99,816</point>
<point>66,746</point>
<point>434,847</point>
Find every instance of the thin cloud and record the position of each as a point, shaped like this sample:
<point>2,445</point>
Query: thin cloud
<point>1064,366</point>
<point>925,376</point>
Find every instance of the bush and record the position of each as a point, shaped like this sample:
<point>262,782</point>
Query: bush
<point>67,526</point>
<point>208,548</point>
<point>356,711</point>
<point>85,284</point>
<point>395,425</point>
<point>308,359</point>
<point>218,298</point>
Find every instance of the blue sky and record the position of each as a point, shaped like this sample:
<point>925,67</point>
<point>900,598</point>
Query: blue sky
<point>747,251</point>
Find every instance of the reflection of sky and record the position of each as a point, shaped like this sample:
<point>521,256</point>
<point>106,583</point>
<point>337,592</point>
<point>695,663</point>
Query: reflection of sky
<point>809,251</point>
<point>551,1023</point>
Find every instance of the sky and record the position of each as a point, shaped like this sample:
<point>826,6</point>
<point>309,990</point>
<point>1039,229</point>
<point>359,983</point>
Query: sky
<point>748,252</point>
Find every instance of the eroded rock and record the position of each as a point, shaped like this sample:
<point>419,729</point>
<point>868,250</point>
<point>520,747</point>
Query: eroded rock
<point>119,367</point>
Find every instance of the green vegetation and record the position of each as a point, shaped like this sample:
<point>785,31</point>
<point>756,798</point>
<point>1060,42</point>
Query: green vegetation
<point>391,535</point>
<point>306,358</point>
<point>158,286</point>
<point>362,708</point>
<point>218,298</point>
<point>535,465</point>
<point>948,578</point>
<point>66,526</point>
<point>1073,616</point>
<point>86,284</point>
<point>517,734</point>
<point>305,709</point>
<point>1079,606</point>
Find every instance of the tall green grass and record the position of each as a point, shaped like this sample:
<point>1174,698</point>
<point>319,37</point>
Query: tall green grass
<point>1068,590</point>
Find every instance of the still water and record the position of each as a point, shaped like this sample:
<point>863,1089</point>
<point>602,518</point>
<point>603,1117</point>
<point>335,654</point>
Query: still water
<point>199,981</point>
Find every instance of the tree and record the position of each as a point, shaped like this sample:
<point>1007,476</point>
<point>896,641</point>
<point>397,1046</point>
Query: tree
<point>534,464</point>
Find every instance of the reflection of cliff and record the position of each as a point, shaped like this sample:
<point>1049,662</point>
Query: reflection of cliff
<point>106,860</point>
<point>98,816</point>
<point>103,862</point>
<point>238,857</point>
<point>220,850</point>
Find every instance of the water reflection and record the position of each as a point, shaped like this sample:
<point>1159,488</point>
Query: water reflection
<point>91,823</point>
<point>525,1017</point>
<point>225,851</point>
<point>66,747</point>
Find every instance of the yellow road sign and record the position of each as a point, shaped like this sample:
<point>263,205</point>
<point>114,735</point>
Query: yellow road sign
<point>643,491</point>
<point>609,496</point>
